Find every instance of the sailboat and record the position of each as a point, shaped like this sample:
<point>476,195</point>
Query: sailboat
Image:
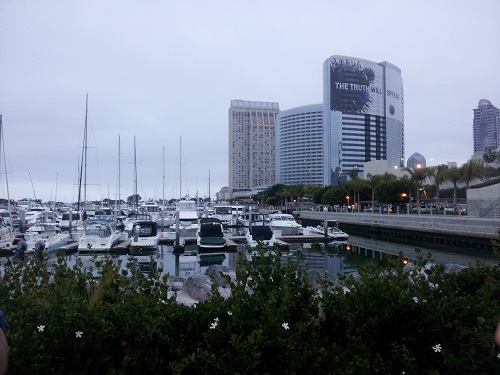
<point>6,230</point>
<point>98,234</point>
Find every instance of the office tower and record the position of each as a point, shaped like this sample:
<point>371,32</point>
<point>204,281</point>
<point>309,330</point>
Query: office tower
<point>363,115</point>
<point>299,146</point>
<point>252,138</point>
<point>486,126</point>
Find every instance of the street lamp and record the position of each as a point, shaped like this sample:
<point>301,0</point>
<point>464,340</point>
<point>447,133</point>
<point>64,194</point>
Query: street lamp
<point>348,206</point>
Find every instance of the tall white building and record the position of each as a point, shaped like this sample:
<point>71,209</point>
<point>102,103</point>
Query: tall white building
<point>299,146</point>
<point>486,126</point>
<point>363,114</point>
<point>252,136</point>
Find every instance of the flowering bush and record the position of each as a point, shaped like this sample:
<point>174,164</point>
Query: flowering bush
<point>393,320</point>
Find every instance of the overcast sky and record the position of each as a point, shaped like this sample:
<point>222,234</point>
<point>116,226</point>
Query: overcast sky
<point>162,71</point>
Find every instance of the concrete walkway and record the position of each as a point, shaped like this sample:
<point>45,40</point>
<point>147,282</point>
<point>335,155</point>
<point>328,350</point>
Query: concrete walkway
<point>446,224</point>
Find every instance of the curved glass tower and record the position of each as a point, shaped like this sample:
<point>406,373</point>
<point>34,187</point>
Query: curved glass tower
<point>299,146</point>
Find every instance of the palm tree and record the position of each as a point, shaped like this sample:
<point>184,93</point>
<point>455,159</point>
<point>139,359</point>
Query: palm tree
<point>418,175</point>
<point>454,175</point>
<point>470,171</point>
<point>376,180</point>
<point>438,174</point>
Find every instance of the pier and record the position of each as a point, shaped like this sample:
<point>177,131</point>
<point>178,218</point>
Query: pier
<point>425,229</point>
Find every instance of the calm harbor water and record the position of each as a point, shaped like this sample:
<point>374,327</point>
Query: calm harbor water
<point>334,257</point>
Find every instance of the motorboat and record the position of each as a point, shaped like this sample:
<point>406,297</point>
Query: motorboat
<point>68,217</point>
<point>285,223</point>
<point>248,217</point>
<point>333,232</point>
<point>186,216</point>
<point>210,234</point>
<point>50,234</point>
<point>98,235</point>
<point>6,239</point>
<point>228,214</point>
<point>260,232</point>
<point>132,218</point>
<point>145,235</point>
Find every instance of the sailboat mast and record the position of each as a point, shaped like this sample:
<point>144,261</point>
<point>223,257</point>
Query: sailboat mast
<point>83,175</point>
<point>136,198</point>
<point>163,192</point>
<point>180,168</point>
<point>2,153</point>
<point>85,149</point>
<point>119,171</point>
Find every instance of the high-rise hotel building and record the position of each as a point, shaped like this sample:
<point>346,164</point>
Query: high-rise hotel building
<point>363,114</point>
<point>252,161</point>
<point>299,146</point>
<point>486,126</point>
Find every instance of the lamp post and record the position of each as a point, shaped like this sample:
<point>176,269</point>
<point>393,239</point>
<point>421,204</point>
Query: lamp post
<point>403,197</point>
<point>348,206</point>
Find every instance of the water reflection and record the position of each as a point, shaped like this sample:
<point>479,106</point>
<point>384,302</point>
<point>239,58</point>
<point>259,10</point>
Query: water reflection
<point>334,257</point>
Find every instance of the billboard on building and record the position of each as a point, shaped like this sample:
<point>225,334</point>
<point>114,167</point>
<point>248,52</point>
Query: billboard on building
<point>356,86</point>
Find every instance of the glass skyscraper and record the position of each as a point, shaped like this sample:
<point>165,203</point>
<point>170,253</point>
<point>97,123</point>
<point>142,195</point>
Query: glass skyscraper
<point>299,146</point>
<point>486,126</point>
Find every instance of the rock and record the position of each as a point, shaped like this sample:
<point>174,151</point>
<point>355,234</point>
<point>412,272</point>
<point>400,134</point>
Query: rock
<point>198,287</point>
<point>218,274</point>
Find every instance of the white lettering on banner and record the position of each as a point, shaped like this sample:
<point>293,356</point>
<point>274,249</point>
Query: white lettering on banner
<point>358,87</point>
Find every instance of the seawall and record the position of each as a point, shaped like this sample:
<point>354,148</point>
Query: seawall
<point>428,230</point>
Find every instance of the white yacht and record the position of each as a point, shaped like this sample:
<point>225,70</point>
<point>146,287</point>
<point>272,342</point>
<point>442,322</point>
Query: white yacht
<point>285,223</point>
<point>50,234</point>
<point>228,214</point>
<point>133,218</point>
<point>98,235</point>
<point>145,235</point>
<point>186,216</point>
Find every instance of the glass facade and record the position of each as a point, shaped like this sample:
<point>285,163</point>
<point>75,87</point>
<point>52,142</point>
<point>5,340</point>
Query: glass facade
<point>299,146</point>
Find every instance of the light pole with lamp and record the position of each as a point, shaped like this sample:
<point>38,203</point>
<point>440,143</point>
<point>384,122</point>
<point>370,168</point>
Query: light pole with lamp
<point>348,206</point>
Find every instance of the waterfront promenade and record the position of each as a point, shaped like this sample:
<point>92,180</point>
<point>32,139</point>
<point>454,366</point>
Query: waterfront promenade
<point>462,231</point>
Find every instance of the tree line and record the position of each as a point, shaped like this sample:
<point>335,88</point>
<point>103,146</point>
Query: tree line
<point>387,188</point>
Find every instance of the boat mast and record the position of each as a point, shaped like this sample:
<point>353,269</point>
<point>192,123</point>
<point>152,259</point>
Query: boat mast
<point>163,192</point>
<point>180,168</point>
<point>136,198</point>
<point>83,165</point>
<point>2,150</point>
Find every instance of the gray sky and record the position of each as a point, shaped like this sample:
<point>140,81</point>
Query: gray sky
<point>165,70</point>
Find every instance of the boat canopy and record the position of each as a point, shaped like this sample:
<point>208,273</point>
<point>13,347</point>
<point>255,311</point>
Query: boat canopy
<point>262,232</point>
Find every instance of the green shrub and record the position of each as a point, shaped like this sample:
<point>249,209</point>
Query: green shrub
<point>393,320</point>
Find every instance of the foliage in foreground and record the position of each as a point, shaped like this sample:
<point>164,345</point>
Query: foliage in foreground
<point>391,321</point>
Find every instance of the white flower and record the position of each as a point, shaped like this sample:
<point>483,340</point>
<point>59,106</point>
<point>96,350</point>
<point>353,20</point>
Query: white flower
<point>415,299</point>
<point>498,355</point>
<point>40,328</point>
<point>216,320</point>
<point>163,301</point>
<point>229,313</point>
<point>213,325</point>
<point>437,348</point>
<point>285,326</point>
<point>78,334</point>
